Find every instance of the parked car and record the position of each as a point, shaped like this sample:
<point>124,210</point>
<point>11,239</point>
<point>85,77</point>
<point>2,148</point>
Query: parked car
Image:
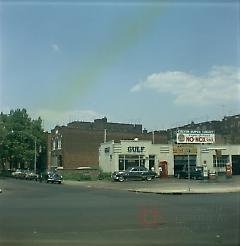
<point>136,173</point>
<point>53,177</point>
<point>19,173</point>
<point>30,175</point>
<point>195,172</point>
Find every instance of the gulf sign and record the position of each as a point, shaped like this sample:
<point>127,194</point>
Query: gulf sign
<point>191,136</point>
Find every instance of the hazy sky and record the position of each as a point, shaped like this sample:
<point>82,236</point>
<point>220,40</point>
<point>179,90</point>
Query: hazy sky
<point>156,63</point>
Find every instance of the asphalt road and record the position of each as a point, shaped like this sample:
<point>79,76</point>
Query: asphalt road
<point>34,213</point>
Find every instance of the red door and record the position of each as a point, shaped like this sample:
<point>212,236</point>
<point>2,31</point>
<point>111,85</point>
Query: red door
<point>164,166</point>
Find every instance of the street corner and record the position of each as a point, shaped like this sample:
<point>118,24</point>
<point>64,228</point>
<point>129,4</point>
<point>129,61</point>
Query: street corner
<point>185,191</point>
<point>160,192</point>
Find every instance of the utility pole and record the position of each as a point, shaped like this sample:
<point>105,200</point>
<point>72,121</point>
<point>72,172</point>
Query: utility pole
<point>105,135</point>
<point>188,170</point>
<point>35,155</point>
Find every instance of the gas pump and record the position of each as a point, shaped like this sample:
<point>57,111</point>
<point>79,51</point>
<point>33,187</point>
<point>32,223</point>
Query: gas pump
<point>205,171</point>
<point>228,170</point>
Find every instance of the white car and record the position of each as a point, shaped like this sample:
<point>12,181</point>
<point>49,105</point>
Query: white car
<point>30,175</point>
<point>19,173</point>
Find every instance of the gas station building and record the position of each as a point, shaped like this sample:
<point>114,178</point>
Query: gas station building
<point>116,156</point>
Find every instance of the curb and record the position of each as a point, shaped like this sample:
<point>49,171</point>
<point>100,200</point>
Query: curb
<point>185,192</point>
<point>159,193</point>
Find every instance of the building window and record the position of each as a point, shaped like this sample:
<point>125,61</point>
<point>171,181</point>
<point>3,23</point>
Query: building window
<point>60,161</point>
<point>221,161</point>
<point>59,144</point>
<point>54,145</point>
<point>107,150</point>
<point>151,161</point>
<point>127,161</point>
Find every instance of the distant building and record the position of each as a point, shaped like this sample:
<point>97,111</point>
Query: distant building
<point>227,130</point>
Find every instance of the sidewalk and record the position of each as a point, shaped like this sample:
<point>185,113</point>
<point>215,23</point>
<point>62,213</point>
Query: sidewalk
<point>167,186</point>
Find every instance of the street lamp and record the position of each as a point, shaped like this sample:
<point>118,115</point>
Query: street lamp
<point>35,155</point>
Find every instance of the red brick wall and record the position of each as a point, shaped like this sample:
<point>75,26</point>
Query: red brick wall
<point>80,148</point>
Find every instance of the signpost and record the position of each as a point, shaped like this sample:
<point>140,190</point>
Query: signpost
<point>188,172</point>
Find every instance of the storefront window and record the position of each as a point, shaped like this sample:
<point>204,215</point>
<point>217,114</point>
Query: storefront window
<point>127,161</point>
<point>220,161</point>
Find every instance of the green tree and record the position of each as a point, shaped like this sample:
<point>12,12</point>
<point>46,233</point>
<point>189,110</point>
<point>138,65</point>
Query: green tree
<point>20,139</point>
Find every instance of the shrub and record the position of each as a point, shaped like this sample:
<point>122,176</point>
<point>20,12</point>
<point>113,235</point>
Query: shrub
<point>104,175</point>
<point>84,177</point>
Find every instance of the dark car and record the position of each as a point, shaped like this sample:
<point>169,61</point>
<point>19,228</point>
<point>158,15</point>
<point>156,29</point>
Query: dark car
<point>136,173</point>
<point>51,177</point>
<point>195,172</point>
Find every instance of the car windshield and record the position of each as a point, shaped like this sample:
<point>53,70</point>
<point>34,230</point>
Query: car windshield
<point>130,169</point>
<point>142,169</point>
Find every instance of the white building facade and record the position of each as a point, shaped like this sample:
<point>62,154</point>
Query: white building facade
<point>127,153</point>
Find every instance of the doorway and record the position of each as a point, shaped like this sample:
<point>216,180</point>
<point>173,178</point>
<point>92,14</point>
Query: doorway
<point>235,164</point>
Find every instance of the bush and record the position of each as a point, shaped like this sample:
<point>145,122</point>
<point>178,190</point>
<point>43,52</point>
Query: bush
<point>103,175</point>
<point>76,176</point>
<point>70,176</point>
<point>84,177</point>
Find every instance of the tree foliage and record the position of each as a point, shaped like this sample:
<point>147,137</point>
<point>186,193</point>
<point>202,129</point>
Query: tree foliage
<point>20,138</point>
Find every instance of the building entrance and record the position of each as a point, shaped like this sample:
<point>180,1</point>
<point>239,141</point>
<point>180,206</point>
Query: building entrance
<point>182,160</point>
<point>235,164</point>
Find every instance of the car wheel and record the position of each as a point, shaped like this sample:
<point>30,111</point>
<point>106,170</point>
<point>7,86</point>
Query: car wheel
<point>121,178</point>
<point>149,178</point>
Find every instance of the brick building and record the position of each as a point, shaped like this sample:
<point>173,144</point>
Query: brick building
<point>77,144</point>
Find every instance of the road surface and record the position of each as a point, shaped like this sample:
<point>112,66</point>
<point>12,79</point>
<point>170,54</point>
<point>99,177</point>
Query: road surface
<point>33,213</point>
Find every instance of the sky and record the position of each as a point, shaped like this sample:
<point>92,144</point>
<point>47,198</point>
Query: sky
<point>161,64</point>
